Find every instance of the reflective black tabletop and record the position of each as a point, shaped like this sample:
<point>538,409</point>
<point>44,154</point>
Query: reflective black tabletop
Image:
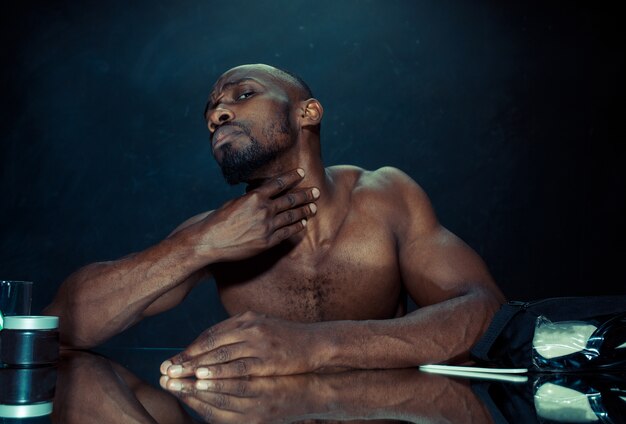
<point>125,386</point>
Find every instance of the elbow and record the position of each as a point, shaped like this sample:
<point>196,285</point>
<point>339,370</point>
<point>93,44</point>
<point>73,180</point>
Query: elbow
<point>484,304</point>
<point>476,313</point>
<point>76,327</point>
<point>485,299</point>
<point>71,342</point>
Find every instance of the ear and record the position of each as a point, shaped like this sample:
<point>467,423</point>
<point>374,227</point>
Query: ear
<point>310,113</point>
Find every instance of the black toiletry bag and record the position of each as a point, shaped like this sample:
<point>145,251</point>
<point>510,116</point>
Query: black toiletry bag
<point>508,342</point>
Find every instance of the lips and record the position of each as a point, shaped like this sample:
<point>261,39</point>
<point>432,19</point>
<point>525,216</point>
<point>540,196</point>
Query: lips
<point>223,133</point>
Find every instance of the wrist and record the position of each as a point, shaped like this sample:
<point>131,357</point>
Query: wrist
<point>327,346</point>
<point>192,249</point>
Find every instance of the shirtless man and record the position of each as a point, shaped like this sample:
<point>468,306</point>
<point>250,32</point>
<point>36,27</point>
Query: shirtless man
<point>313,264</point>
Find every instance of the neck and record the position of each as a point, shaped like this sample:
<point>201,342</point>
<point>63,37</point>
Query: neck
<point>305,154</point>
<point>309,159</point>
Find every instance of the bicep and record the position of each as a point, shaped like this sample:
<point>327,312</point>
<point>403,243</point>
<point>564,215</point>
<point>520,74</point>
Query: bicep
<point>435,264</point>
<point>438,266</point>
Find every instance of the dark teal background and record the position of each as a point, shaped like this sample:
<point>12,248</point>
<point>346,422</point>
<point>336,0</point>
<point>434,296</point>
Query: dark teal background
<point>509,114</point>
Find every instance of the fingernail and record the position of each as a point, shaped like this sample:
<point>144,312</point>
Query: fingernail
<point>175,385</point>
<point>203,384</point>
<point>174,370</point>
<point>301,172</point>
<point>165,365</point>
<point>202,373</point>
<point>315,192</point>
<point>313,207</point>
<point>163,381</point>
<point>303,222</point>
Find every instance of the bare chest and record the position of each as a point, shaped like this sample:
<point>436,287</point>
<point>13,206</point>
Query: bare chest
<point>353,276</point>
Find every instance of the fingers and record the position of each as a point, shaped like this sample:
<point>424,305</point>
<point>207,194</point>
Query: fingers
<point>176,370</point>
<point>208,343</point>
<point>208,366</point>
<point>216,356</point>
<point>290,208</point>
<point>241,367</point>
<point>220,343</point>
<point>292,216</point>
<point>211,338</point>
<point>286,232</point>
<point>197,367</point>
<point>281,183</point>
<point>293,199</point>
<point>239,387</point>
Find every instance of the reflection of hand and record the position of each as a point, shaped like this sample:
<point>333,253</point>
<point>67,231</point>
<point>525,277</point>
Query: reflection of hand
<point>252,223</point>
<point>248,344</point>
<point>257,400</point>
<point>91,388</point>
<point>406,395</point>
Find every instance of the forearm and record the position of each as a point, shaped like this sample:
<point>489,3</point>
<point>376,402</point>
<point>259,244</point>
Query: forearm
<point>102,299</point>
<point>401,394</point>
<point>442,332</point>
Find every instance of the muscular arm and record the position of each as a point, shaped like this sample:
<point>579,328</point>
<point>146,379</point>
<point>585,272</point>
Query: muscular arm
<point>450,283</point>
<point>447,279</point>
<point>102,299</point>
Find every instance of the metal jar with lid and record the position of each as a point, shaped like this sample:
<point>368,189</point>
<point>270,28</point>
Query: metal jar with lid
<point>27,341</point>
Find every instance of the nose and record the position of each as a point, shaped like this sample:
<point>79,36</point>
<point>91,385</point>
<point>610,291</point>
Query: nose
<point>218,117</point>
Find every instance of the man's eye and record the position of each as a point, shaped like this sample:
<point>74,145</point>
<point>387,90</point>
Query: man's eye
<point>245,95</point>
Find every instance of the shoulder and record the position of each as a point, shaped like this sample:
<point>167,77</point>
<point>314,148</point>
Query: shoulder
<point>389,178</point>
<point>390,192</point>
<point>387,183</point>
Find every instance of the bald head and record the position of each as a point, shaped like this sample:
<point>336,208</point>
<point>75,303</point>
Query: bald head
<point>293,84</point>
<point>256,115</point>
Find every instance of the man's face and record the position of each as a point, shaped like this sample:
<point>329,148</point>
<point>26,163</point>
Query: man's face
<point>249,119</point>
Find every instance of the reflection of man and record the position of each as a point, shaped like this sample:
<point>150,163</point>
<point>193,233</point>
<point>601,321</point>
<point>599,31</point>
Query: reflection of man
<point>91,388</point>
<point>313,263</point>
<point>360,397</point>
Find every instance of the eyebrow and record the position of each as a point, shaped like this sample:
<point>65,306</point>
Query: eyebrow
<point>225,87</point>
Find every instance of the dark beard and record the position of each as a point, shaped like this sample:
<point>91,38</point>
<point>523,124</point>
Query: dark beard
<point>240,165</point>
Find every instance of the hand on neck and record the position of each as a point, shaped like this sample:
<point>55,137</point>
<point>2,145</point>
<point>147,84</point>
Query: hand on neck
<point>309,161</point>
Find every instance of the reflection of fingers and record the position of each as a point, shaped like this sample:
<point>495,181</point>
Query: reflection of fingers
<point>212,412</point>
<point>292,215</point>
<point>238,368</point>
<point>183,385</point>
<point>240,387</point>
